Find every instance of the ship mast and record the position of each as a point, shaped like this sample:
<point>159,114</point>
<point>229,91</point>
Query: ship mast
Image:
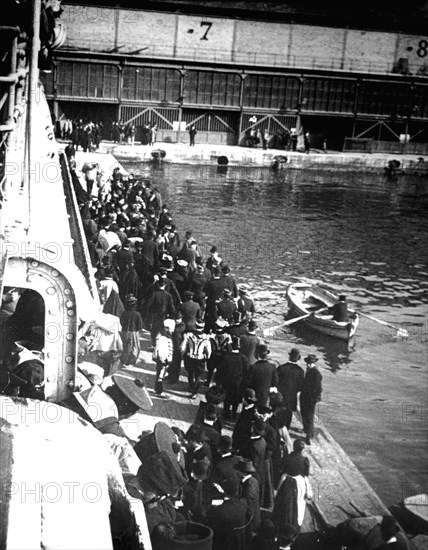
<point>31,142</point>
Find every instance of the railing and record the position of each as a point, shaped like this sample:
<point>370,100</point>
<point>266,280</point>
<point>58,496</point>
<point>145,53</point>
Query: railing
<point>276,60</point>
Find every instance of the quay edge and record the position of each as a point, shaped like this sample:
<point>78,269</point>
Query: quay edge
<point>208,154</point>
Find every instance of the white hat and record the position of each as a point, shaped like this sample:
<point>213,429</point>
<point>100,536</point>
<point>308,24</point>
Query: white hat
<point>170,324</point>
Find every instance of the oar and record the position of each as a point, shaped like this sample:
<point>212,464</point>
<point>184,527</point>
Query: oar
<point>269,330</point>
<point>400,331</point>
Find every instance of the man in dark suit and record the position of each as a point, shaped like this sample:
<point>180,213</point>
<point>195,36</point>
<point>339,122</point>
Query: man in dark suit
<point>263,376</point>
<point>190,310</point>
<point>310,395</point>
<point>340,310</point>
<point>225,462</point>
<point>290,382</point>
<point>231,371</point>
<point>242,431</point>
<point>159,308</point>
<point>228,517</point>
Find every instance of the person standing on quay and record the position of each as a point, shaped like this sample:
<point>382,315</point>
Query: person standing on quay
<point>310,395</point>
<point>196,350</point>
<point>192,134</point>
<point>291,376</point>
<point>163,354</point>
<point>263,376</point>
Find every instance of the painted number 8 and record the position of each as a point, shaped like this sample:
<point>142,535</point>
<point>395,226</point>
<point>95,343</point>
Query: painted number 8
<point>422,51</point>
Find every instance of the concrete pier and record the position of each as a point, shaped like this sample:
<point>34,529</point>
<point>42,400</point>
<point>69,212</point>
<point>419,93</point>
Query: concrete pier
<point>209,154</point>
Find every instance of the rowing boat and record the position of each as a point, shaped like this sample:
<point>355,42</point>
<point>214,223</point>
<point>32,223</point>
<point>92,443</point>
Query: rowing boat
<point>415,509</point>
<point>304,299</point>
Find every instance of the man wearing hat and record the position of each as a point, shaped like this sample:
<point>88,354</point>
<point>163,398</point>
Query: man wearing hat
<point>197,282</point>
<point>197,492</point>
<point>231,372</point>
<point>214,260</point>
<point>242,431</point>
<point>190,310</point>
<point>177,340</point>
<point>209,426</point>
<point>340,310</point>
<point>159,307</point>
<point>290,383</point>
<point>228,517</point>
<point>245,304</point>
<point>196,350</point>
<point>250,343</point>
<point>229,280</point>
<point>124,256</point>
<point>163,354</point>
<point>310,395</point>
<point>226,306</point>
<point>262,376</point>
<point>224,461</point>
<point>255,449</point>
<point>170,287</point>
<point>214,292</point>
<point>220,342</point>
<point>250,490</point>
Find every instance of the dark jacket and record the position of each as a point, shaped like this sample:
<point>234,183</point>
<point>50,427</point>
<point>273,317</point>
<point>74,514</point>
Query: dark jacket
<point>242,431</point>
<point>191,312</point>
<point>290,382</point>
<point>295,464</point>
<point>339,312</point>
<point>249,345</point>
<point>228,523</point>
<point>312,387</point>
<point>231,372</point>
<point>262,376</point>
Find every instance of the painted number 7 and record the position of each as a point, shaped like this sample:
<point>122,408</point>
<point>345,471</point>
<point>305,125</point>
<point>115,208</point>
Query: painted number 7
<point>208,26</point>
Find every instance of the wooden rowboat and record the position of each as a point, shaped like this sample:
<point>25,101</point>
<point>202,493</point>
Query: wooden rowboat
<point>415,509</point>
<point>304,299</point>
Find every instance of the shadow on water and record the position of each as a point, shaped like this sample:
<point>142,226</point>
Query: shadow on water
<point>336,353</point>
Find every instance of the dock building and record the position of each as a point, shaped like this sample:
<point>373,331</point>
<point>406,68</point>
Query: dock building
<point>355,77</point>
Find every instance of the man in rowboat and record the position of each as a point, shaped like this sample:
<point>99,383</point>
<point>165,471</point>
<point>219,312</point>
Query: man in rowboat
<point>340,310</point>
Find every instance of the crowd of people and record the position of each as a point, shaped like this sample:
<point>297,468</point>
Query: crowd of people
<point>249,488</point>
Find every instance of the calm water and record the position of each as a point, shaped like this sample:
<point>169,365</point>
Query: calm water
<point>360,235</point>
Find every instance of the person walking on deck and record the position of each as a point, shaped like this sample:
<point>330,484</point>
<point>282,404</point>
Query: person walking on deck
<point>196,350</point>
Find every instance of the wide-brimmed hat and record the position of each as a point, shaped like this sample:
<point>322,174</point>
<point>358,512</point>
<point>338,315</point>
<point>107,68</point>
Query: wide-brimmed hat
<point>294,354</point>
<point>134,389</point>
<point>311,358</point>
<point>246,466</point>
<point>242,289</point>
<point>227,292</point>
